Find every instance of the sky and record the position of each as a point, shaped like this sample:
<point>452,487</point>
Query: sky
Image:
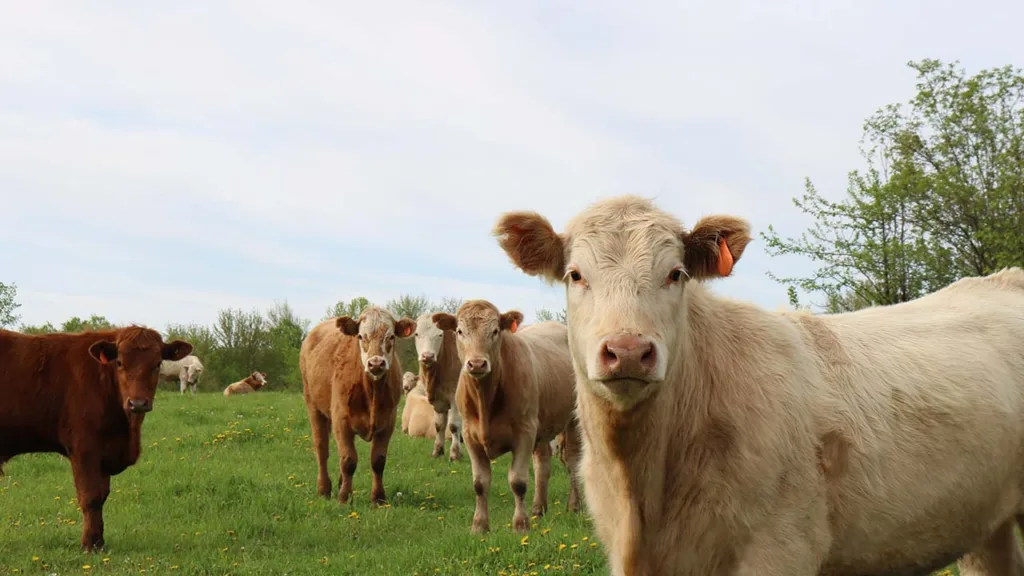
<point>162,161</point>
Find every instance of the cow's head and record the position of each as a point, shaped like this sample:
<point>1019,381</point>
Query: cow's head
<point>429,348</point>
<point>136,354</point>
<point>409,381</point>
<point>478,327</point>
<point>376,330</point>
<point>624,264</point>
<point>257,380</point>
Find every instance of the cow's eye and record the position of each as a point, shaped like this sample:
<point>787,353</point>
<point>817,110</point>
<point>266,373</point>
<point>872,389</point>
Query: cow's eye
<point>575,276</point>
<point>118,363</point>
<point>675,275</point>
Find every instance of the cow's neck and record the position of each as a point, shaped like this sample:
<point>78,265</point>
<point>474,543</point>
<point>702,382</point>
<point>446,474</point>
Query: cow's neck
<point>379,394</point>
<point>430,376</point>
<point>488,393</point>
<point>120,455</point>
<point>667,438</point>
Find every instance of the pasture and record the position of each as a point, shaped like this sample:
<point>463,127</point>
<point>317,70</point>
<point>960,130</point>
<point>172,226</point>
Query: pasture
<point>228,486</point>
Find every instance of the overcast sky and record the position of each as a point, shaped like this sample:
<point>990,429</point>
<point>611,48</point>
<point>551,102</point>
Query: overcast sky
<point>160,161</point>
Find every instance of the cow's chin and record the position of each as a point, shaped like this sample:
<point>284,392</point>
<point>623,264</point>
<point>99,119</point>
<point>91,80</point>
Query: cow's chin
<point>376,376</point>
<point>623,393</point>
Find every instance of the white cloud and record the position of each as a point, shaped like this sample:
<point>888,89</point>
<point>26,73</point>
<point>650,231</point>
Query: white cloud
<point>304,139</point>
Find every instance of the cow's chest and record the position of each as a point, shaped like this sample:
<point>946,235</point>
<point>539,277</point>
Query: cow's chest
<point>498,436</point>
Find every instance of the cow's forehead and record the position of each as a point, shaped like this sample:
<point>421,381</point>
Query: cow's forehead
<point>425,326</point>
<point>625,232</point>
<point>376,324</point>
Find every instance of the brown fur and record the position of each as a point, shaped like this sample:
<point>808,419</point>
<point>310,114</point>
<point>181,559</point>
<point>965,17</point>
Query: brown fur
<point>251,384</point>
<point>519,406</point>
<point>71,394</point>
<point>342,396</point>
<point>884,441</point>
<point>418,414</point>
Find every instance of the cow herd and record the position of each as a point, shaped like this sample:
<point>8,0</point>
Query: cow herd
<point>704,435</point>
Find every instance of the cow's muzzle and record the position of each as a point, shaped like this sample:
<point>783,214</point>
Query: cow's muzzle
<point>478,367</point>
<point>627,356</point>
<point>139,405</point>
<point>376,366</point>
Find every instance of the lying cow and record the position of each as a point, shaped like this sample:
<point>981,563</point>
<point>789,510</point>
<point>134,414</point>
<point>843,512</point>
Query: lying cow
<point>417,414</point>
<point>83,396</point>
<point>186,371</point>
<point>721,438</point>
<point>439,375</point>
<point>250,384</point>
<point>515,395</point>
<point>352,383</point>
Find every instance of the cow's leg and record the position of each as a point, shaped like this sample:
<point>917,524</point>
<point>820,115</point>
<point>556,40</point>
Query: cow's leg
<point>541,476</point>
<point>93,487</point>
<point>571,457</point>
<point>1000,555</point>
<point>456,429</point>
<point>481,466</point>
<point>346,439</point>
<point>518,474</point>
<point>440,425</point>
<point>320,427</point>
<point>182,384</point>
<point>378,459</point>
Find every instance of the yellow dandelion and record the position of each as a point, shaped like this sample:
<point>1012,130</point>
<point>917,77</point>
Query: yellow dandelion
<point>561,547</point>
<point>86,567</point>
<point>35,558</point>
<point>525,541</point>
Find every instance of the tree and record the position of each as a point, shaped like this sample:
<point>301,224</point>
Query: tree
<point>286,332</point>
<point>942,195</point>
<point>7,304</point>
<point>353,308</point>
<point>543,315</point>
<point>95,322</point>
<point>449,305</point>
<point>406,306</point>
<point>47,328</point>
<point>242,338</point>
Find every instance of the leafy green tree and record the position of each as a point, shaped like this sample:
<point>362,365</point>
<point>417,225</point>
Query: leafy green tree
<point>353,308</point>
<point>47,328</point>
<point>942,195</point>
<point>407,306</point>
<point>94,322</point>
<point>286,332</point>
<point>8,292</point>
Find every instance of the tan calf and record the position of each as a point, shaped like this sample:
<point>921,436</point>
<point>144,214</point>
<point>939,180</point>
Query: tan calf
<point>418,414</point>
<point>723,439</point>
<point>515,394</point>
<point>250,384</point>
<point>439,375</point>
<point>352,383</point>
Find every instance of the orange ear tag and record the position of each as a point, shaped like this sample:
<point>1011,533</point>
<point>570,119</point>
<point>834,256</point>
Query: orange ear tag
<point>103,358</point>
<point>515,325</point>
<point>725,260</point>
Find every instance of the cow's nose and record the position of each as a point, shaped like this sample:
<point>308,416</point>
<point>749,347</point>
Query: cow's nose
<point>476,365</point>
<point>628,356</point>
<point>427,357</point>
<point>376,363</point>
<point>139,405</point>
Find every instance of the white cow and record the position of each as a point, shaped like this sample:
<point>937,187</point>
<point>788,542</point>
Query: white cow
<point>186,371</point>
<point>439,375</point>
<point>722,439</point>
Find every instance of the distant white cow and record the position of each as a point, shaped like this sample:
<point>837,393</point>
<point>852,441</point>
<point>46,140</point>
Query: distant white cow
<point>186,371</point>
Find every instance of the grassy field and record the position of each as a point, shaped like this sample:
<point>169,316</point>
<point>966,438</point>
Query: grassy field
<point>228,486</point>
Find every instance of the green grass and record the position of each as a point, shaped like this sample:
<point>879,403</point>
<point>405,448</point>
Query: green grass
<point>228,486</point>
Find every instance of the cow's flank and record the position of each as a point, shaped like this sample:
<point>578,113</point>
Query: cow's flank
<point>721,438</point>
<point>98,387</point>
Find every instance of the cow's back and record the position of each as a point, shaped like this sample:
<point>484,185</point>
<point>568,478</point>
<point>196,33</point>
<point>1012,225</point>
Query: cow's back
<point>551,365</point>
<point>924,394</point>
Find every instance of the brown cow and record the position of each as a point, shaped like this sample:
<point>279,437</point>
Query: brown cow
<point>83,396</point>
<point>250,384</point>
<point>720,438</point>
<point>515,395</point>
<point>352,383</point>
<point>439,375</point>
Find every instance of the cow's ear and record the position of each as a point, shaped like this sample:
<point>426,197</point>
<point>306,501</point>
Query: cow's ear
<point>511,320</point>
<point>444,321</point>
<point>714,246</point>
<point>176,350</point>
<point>348,326</point>
<point>405,327</point>
<point>104,351</point>
<point>532,245</point>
